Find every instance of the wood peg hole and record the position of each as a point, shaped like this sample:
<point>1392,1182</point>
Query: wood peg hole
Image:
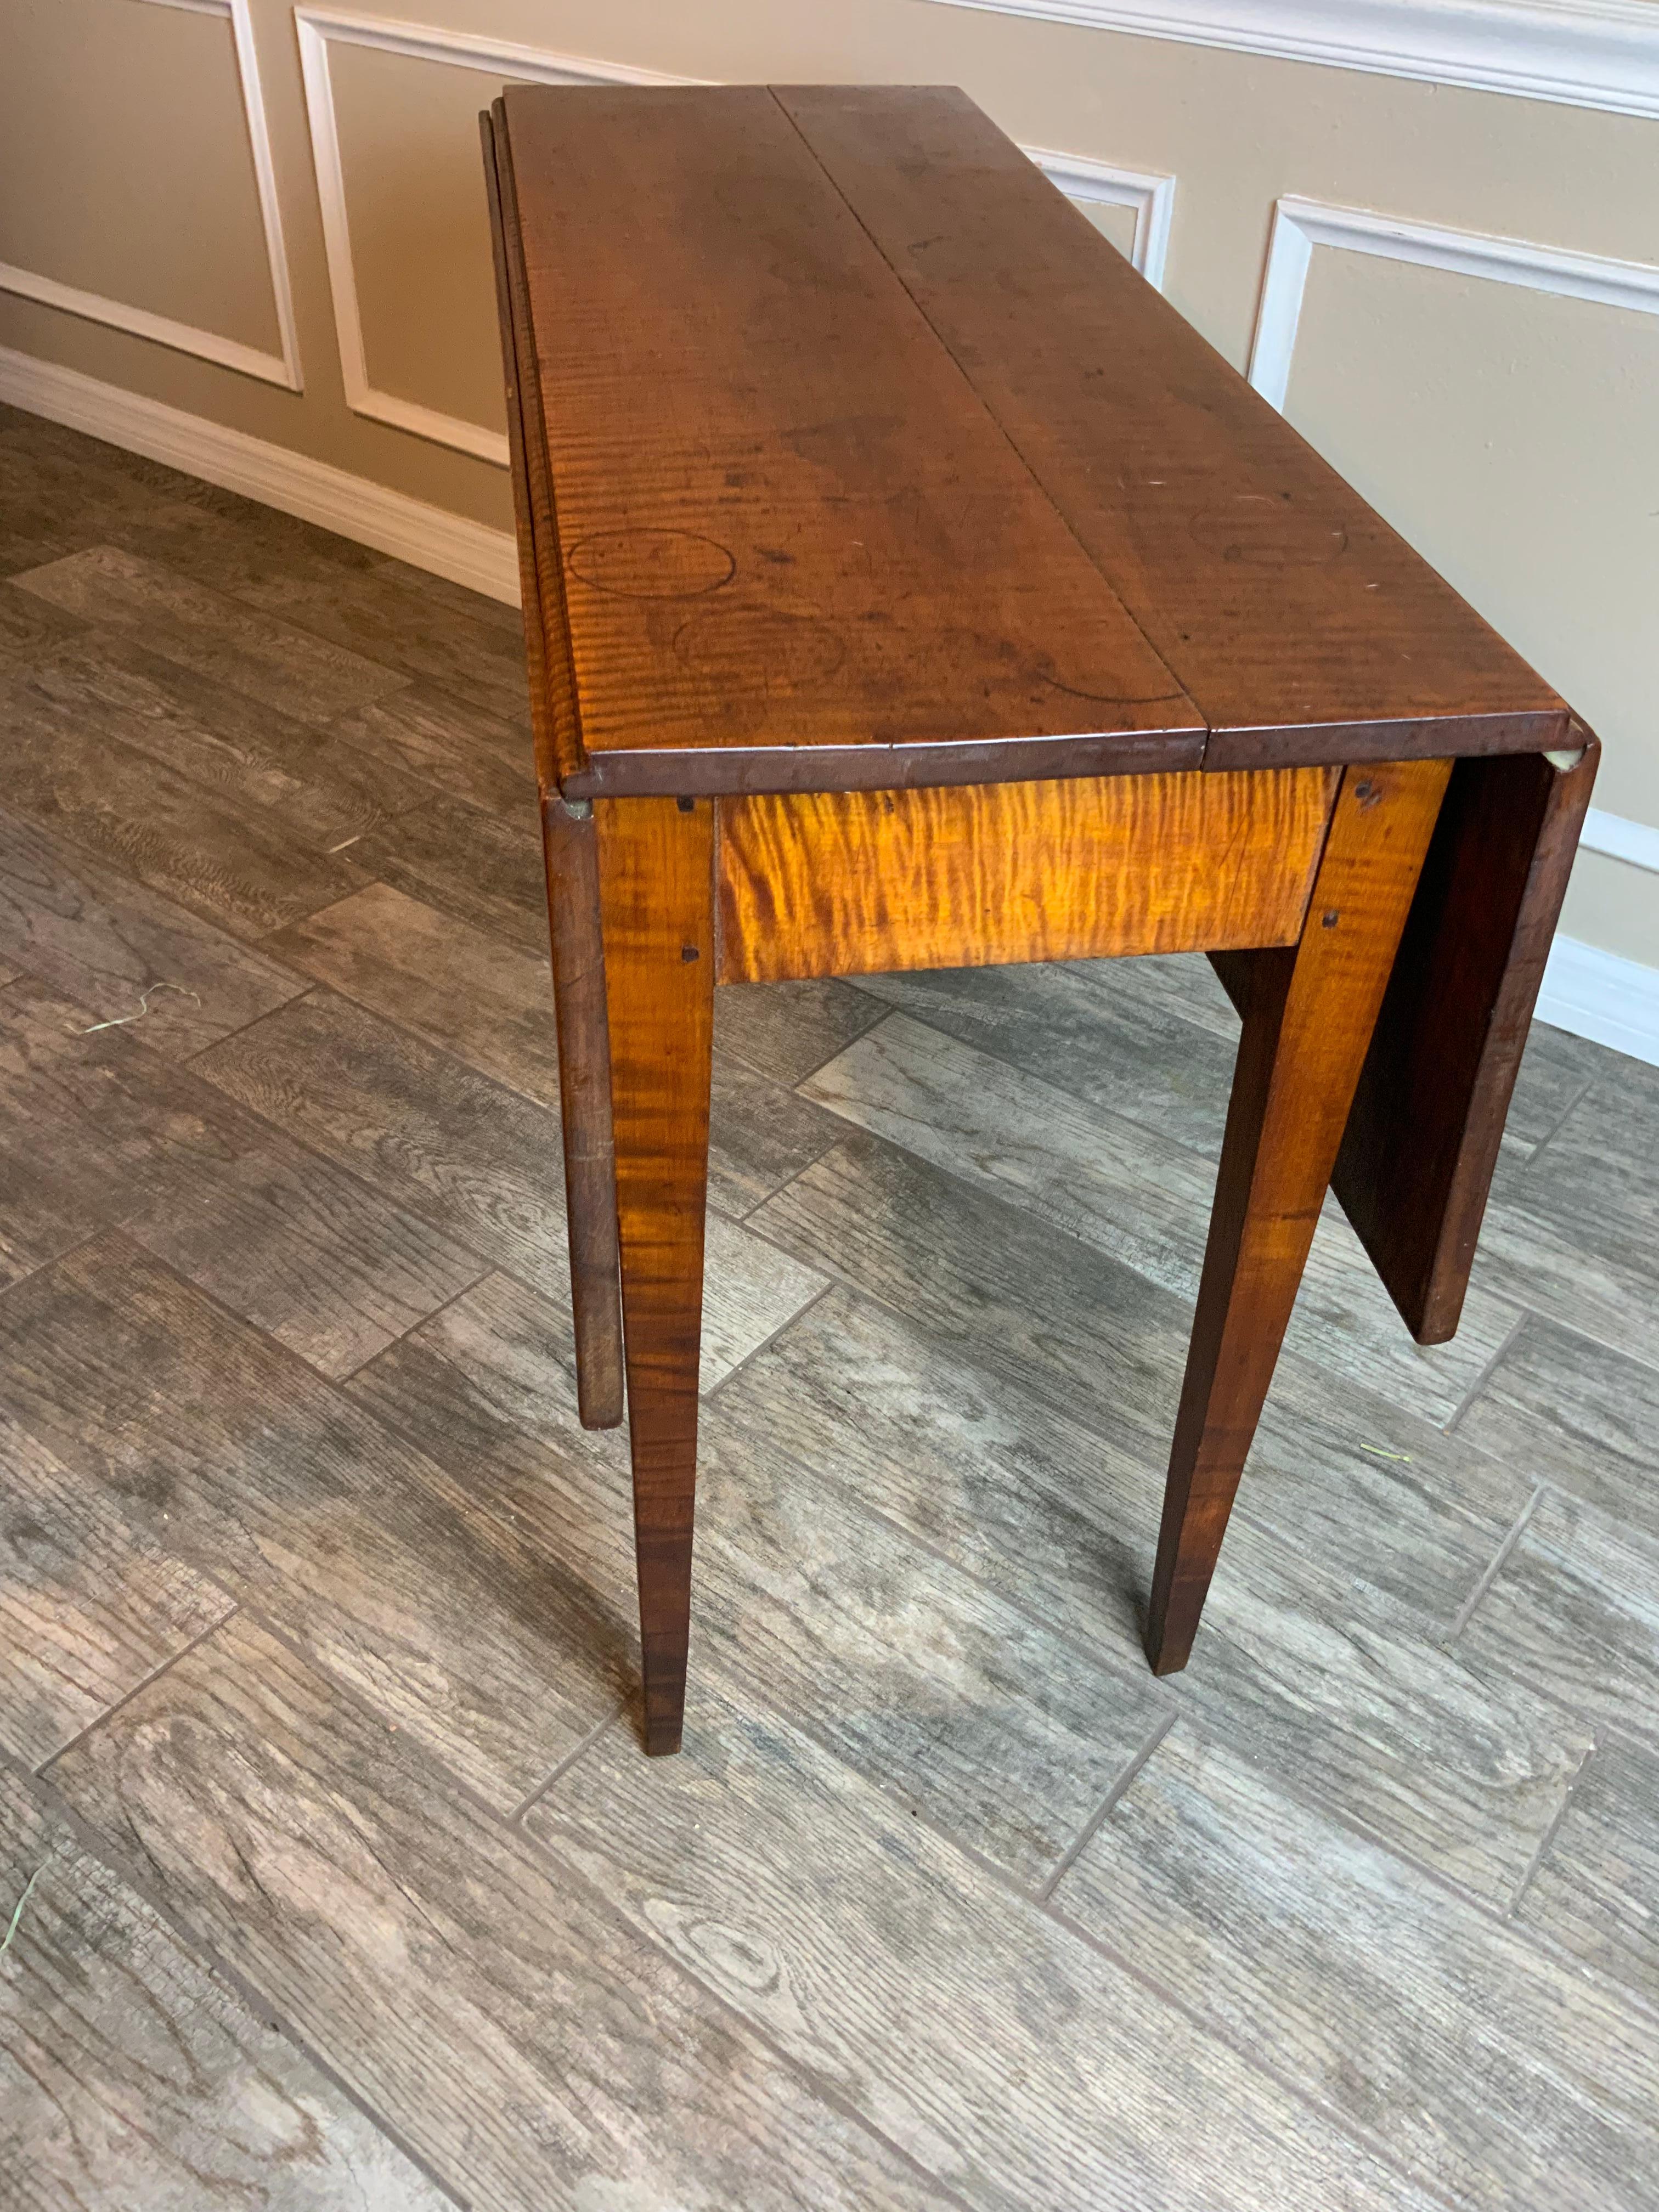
<point>689,953</point>
<point>686,805</point>
<point>1330,918</point>
<point>1367,794</point>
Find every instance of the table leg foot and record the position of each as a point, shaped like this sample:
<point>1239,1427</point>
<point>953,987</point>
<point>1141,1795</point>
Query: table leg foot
<point>1309,1011</point>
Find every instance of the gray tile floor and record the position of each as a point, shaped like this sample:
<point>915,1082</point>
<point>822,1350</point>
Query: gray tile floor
<point>340,1878</point>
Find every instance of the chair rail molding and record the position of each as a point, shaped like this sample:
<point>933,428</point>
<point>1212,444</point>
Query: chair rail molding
<point>1578,53</point>
<point>281,368</point>
<point>1153,199</point>
<point>1299,225</point>
<point>1080,176</point>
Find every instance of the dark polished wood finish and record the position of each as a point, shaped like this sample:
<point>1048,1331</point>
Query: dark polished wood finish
<point>657,885</point>
<point>1422,1140</point>
<point>820,539</point>
<point>571,848</point>
<point>1308,1012</point>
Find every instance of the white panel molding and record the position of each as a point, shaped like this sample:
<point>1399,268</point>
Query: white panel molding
<point>282,368</point>
<point>1299,225</point>
<point>1601,996</point>
<point>1594,993</point>
<point>319,28</point>
<point>469,553</point>
<point>1577,53</point>
<point>1153,199</point>
<point>1616,837</point>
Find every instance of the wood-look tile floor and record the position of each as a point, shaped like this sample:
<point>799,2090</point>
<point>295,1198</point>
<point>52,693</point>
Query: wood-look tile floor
<point>339,1877</point>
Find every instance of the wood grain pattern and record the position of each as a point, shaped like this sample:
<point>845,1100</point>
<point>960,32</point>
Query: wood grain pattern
<point>132,2074</point>
<point>1133,1191</point>
<point>1303,626</point>
<point>264,657</point>
<point>275,768</point>
<point>952,1698</point>
<point>425,735</point>
<point>787,1030</point>
<point>570,842</point>
<point>553,713</point>
<point>324,1264</point>
<point>476,867</point>
<point>235,1456</point>
<point>89,1605</point>
<point>852,883</point>
<point>656,895</point>
<point>1307,1018</point>
<point>1088,1030</point>
<point>1571,1232</point>
<point>1496,2075</point>
<point>857,1941</point>
<point>491,1005</point>
<point>1596,1890</point>
<point>1355,1540</point>
<point>829,566</point>
<point>472,1158</point>
<point>1574,1610</point>
<point>1575,1414</point>
<point>580,2069</point>
<point>1422,1140</point>
<point>246,872</point>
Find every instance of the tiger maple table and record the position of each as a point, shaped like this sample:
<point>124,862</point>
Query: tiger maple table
<point>906,584</point>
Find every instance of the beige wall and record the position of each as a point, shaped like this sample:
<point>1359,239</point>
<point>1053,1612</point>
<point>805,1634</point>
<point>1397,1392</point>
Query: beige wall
<point>1513,434</point>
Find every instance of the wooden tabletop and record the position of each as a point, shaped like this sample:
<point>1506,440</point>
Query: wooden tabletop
<point>858,458</point>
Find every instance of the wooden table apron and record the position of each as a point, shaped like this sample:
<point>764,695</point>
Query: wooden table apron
<point>1246,720</point>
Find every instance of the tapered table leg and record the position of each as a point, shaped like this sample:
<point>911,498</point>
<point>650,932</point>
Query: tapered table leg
<point>1309,1011</point>
<point>656,881</point>
<point>571,847</point>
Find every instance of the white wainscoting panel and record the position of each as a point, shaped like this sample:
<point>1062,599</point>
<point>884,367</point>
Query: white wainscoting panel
<point>319,28</point>
<point>1299,225</point>
<point>1080,176</point>
<point>1153,199</point>
<point>282,368</point>
<point>1579,53</point>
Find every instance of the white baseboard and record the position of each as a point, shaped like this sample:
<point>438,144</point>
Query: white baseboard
<point>469,553</point>
<point>1598,995</point>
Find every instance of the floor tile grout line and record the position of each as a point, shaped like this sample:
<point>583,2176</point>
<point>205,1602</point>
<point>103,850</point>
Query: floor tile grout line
<point>339,1686</point>
<point>1522,1315</point>
<point>242,1029</point>
<point>403,1335</point>
<point>517,1817</point>
<point>712,1396</point>
<point>1495,1567</point>
<point>1004,1881</point>
<point>155,1674</point>
<point>1511,1912</point>
<point>207,1954</point>
<point>1534,1940</point>
<point>1341,2124</point>
<point>57,1259</point>
<point>1121,1783</point>
<point>1555,1129</point>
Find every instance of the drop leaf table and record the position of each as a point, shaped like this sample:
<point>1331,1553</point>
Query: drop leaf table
<point>907,585</point>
